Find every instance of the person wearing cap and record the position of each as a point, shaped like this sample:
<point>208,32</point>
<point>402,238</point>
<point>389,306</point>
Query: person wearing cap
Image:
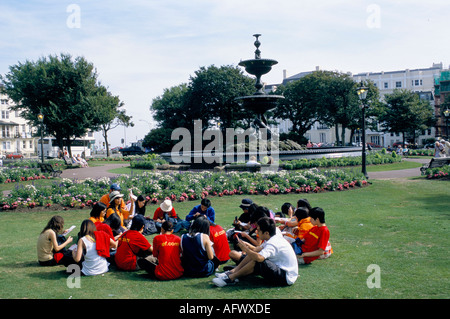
<point>204,209</point>
<point>105,199</point>
<point>115,207</point>
<point>242,223</point>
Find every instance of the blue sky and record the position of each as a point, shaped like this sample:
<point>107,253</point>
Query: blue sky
<point>142,47</point>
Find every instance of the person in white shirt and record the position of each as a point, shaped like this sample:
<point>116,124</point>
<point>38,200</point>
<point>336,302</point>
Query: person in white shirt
<point>274,259</point>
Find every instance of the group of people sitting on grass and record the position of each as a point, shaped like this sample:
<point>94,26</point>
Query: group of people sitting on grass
<point>260,242</point>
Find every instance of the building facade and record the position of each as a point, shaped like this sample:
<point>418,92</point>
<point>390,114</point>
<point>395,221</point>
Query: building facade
<point>422,81</point>
<point>16,135</point>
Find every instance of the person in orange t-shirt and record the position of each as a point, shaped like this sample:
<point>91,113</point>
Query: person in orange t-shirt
<point>115,207</point>
<point>167,250</point>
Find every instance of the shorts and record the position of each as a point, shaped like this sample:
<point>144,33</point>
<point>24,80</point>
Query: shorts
<point>271,273</point>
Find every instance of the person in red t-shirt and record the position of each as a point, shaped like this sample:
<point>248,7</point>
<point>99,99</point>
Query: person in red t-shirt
<point>167,250</point>
<point>221,247</point>
<point>131,244</point>
<point>316,240</point>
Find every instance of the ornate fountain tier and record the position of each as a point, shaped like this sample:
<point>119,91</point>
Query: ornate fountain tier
<point>259,102</point>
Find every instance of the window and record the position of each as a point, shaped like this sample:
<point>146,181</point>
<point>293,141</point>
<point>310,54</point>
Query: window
<point>386,85</point>
<point>24,144</point>
<point>323,138</point>
<point>5,131</point>
<point>5,114</point>
<point>398,84</point>
<point>31,144</point>
<point>6,145</point>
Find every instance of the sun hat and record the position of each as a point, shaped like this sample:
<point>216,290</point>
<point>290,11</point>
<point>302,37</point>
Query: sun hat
<point>245,204</point>
<point>166,206</point>
<point>114,195</point>
<point>115,187</point>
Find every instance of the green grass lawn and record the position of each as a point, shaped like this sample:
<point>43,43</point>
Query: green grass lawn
<point>400,226</point>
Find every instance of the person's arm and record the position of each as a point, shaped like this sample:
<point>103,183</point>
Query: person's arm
<point>211,214</point>
<point>191,214</point>
<point>78,252</point>
<point>315,253</point>
<point>253,254</point>
<point>208,246</point>
<point>112,244</point>
<point>57,247</point>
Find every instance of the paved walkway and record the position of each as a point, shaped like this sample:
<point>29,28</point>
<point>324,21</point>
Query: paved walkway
<point>93,172</point>
<point>101,171</point>
<point>402,173</point>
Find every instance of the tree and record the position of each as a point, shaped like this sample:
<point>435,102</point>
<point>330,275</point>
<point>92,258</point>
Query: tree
<point>57,87</point>
<point>211,96</point>
<point>297,106</point>
<point>107,112</point>
<point>404,112</point>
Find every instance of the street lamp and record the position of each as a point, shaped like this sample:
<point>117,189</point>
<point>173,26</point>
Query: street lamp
<point>41,120</point>
<point>362,94</point>
<point>447,115</point>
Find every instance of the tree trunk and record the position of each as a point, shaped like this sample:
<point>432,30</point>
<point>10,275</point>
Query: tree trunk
<point>336,130</point>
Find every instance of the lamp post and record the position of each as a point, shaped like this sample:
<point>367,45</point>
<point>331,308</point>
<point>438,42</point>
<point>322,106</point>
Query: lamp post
<point>41,120</point>
<point>447,115</point>
<point>362,94</point>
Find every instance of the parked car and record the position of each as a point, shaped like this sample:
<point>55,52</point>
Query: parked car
<point>14,155</point>
<point>374,145</point>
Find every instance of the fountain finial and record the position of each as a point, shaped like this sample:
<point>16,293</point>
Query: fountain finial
<point>257,44</point>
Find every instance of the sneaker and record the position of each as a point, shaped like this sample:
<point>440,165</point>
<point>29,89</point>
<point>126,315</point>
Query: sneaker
<point>225,274</point>
<point>223,281</point>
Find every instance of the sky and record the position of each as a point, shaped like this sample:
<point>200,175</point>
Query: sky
<point>141,47</point>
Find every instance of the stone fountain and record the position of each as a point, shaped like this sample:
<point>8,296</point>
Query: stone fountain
<point>260,102</point>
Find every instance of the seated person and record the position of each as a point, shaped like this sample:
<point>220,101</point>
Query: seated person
<point>167,250</point>
<point>133,246</point>
<point>274,260</point>
<point>197,252</point>
<point>204,209</point>
<point>166,211</point>
<point>316,244</point>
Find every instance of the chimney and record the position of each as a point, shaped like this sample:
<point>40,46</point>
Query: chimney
<point>284,74</point>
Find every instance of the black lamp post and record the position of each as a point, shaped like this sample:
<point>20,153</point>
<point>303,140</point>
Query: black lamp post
<point>41,120</point>
<point>362,94</point>
<point>447,115</point>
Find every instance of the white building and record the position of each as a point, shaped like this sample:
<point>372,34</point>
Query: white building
<point>16,135</point>
<point>417,80</point>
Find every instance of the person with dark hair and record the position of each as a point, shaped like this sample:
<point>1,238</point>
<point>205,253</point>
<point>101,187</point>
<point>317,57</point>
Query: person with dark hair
<point>51,244</point>
<point>316,244</point>
<point>132,246</point>
<point>219,240</point>
<point>197,253</point>
<point>304,203</point>
<point>115,207</point>
<point>98,212</point>
<point>204,209</point>
<point>94,246</point>
<point>274,259</point>
<point>167,252</point>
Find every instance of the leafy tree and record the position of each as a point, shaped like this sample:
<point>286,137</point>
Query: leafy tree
<point>107,112</point>
<point>211,96</point>
<point>404,112</point>
<point>57,87</point>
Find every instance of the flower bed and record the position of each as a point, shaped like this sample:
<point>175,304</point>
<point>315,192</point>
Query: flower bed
<point>182,186</point>
<point>438,172</point>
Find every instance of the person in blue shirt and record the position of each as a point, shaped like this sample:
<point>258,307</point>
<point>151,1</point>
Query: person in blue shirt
<point>204,209</point>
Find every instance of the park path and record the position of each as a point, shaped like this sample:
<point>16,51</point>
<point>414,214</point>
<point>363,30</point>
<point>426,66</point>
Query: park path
<point>95,172</point>
<point>402,173</point>
<point>102,171</point>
